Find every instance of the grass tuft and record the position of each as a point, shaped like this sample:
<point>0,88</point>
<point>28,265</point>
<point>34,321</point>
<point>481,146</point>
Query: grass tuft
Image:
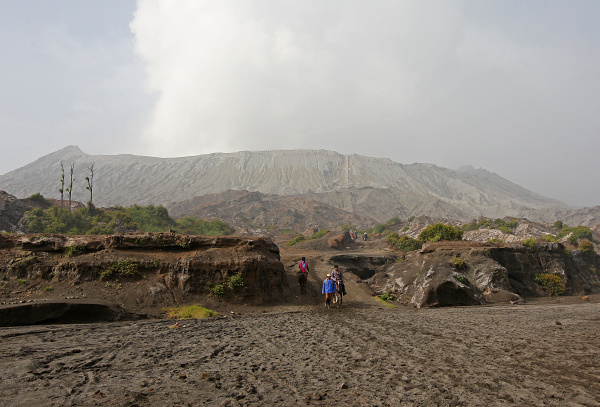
<point>188,312</point>
<point>384,302</point>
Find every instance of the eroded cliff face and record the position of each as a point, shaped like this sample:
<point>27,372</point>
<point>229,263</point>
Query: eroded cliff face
<point>141,272</point>
<point>468,273</point>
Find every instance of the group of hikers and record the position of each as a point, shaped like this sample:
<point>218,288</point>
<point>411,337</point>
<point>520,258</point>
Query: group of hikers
<point>354,235</point>
<point>334,281</point>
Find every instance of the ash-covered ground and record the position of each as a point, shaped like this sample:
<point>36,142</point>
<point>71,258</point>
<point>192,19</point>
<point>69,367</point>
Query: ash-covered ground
<point>534,354</point>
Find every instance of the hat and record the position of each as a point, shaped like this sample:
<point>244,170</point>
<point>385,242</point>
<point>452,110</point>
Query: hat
<point>328,275</point>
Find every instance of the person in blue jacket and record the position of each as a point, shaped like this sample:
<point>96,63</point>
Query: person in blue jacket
<point>328,290</point>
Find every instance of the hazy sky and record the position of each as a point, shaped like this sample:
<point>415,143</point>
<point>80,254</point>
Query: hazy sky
<point>509,86</point>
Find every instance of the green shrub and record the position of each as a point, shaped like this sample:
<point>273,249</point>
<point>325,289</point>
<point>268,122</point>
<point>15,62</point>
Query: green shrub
<point>296,240</point>
<point>122,268</point>
<point>408,244</point>
<point>218,290</point>
<point>196,226</point>
<point>71,251</point>
<point>379,228</point>
<point>319,234</point>
<point>48,288</point>
<point>461,279</point>
<point>404,243</point>
<point>549,238</point>
<point>458,263</point>
<point>505,229</point>
<point>551,283</point>
<point>440,231</point>
<point>286,231</point>
<point>188,312</point>
<point>235,282</point>
<point>506,226</point>
<point>388,297</point>
<point>577,233</point>
<point>385,303</point>
<point>529,242</point>
<point>586,246</point>
<point>40,200</point>
<point>21,281</point>
<point>495,240</point>
<point>393,221</point>
<point>151,265</point>
<point>485,224</point>
<point>469,226</point>
<point>149,218</point>
<point>558,225</point>
<point>185,243</point>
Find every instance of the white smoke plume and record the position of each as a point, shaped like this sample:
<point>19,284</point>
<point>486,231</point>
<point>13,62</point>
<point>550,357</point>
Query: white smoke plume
<point>500,85</point>
<point>233,75</point>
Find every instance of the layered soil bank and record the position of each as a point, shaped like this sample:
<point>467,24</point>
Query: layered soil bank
<point>143,273</point>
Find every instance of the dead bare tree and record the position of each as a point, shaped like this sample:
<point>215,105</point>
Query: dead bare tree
<point>90,185</point>
<point>62,183</point>
<point>70,188</point>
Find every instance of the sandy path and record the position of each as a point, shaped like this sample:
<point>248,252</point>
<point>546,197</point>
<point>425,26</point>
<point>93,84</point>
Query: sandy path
<point>359,295</point>
<point>476,356</point>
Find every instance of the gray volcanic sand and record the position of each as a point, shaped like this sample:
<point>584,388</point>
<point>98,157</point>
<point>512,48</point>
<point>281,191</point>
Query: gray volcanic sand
<point>524,355</point>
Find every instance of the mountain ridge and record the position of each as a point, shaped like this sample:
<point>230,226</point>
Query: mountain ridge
<point>353,181</point>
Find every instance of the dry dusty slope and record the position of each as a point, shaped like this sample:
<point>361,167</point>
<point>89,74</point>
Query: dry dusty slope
<point>526,355</point>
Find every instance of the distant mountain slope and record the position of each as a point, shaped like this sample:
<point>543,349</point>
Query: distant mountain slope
<point>255,209</point>
<point>356,182</point>
<point>385,203</point>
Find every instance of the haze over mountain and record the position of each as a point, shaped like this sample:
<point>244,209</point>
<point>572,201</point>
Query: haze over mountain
<point>375,187</point>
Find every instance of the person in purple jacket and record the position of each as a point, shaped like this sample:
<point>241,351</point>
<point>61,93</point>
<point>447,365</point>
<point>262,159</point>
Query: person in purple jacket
<point>328,290</point>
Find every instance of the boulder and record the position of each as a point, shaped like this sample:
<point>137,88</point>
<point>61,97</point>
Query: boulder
<point>500,296</point>
<point>340,241</point>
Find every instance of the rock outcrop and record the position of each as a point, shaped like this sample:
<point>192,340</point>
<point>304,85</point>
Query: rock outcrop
<point>11,212</point>
<point>469,273</point>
